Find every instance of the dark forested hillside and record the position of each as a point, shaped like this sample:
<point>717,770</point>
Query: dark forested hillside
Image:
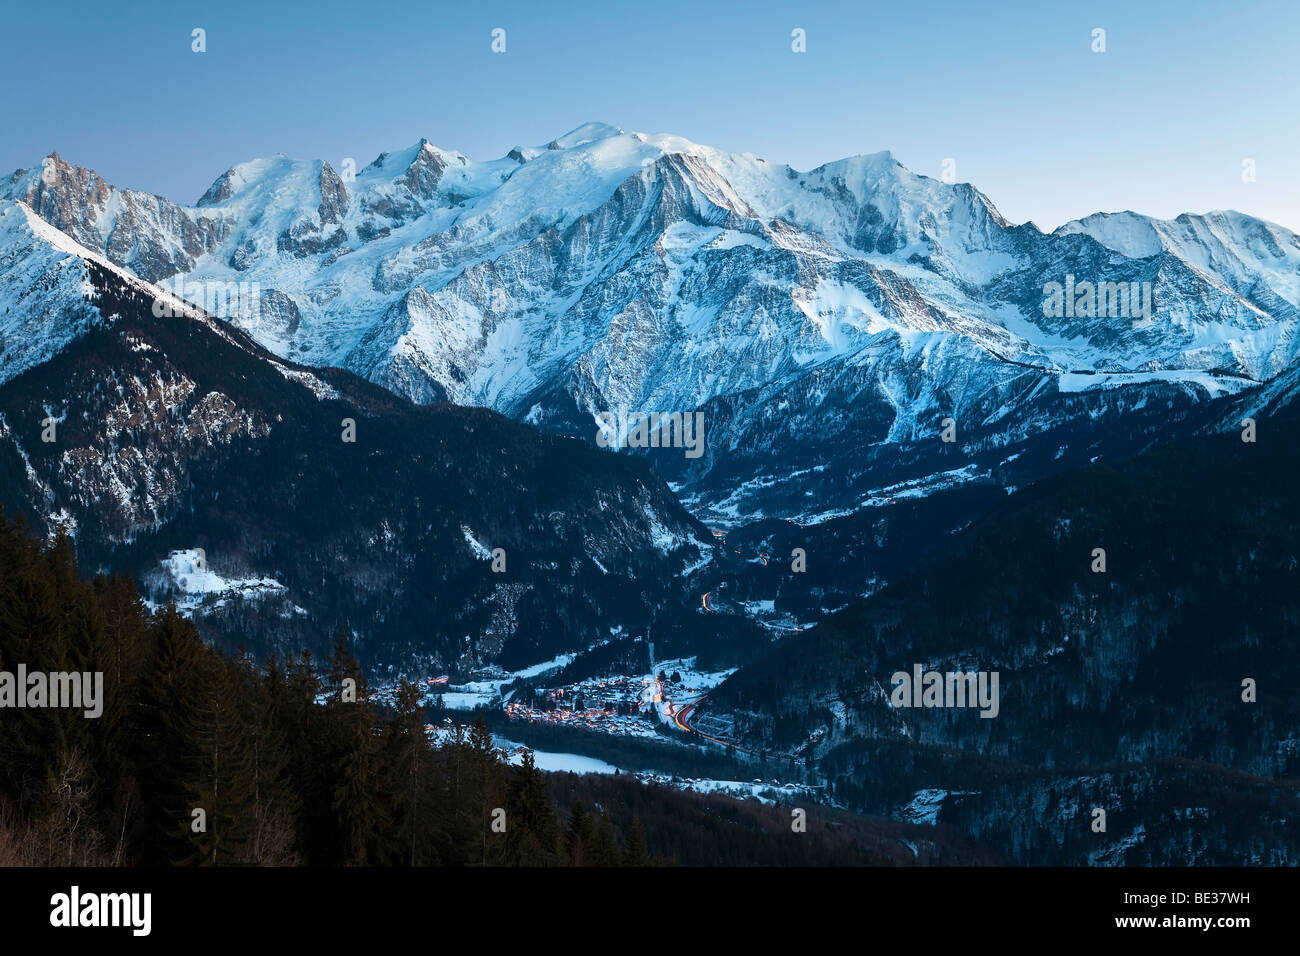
<point>1184,652</point>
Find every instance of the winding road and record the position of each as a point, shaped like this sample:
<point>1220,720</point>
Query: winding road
<point>680,716</point>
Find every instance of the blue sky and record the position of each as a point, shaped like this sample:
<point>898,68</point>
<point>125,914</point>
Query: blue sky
<point>1012,92</point>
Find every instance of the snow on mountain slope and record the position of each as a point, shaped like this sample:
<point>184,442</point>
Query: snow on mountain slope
<point>48,300</point>
<point>611,269</point>
<point>43,296</point>
<point>46,295</point>
<point>1234,247</point>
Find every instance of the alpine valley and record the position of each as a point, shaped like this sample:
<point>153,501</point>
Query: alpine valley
<point>905,461</point>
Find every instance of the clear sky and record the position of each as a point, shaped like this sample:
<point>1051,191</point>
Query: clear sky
<point>1012,92</point>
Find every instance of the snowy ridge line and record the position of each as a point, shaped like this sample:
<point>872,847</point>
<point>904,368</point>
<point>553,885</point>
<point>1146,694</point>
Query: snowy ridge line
<point>167,302</point>
<point>65,243</point>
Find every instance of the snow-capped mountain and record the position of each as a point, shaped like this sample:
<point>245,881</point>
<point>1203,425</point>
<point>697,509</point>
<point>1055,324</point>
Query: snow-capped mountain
<point>818,319</point>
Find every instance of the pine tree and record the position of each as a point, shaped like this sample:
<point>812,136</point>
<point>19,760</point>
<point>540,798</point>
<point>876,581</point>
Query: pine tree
<point>165,738</point>
<point>222,782</point>
<point>581,835</point>
<point>414,777</point>
<point>359,791</point>
<point>305,727</point>
<point>31,633</point>
<point>120,649</point>
<point>534,830</point>
<point>605,851</point>
<point>276,803</point>
<point>485,796</point>
<point>636,852</point>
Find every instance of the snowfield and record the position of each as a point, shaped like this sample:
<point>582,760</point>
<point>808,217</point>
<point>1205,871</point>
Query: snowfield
<point>187,575</point>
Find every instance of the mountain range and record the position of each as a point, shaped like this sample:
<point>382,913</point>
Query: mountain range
<point>824,322</point>
<point>829,328</point>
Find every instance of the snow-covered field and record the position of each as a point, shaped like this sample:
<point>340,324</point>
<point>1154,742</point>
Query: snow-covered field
<point>190,582</point>
<point>554,762</point>
<point>769,792</point>
<point>692,681</point>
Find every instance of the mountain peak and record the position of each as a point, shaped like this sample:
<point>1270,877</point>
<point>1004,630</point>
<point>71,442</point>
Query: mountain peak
<point>54,165</point>
<point>584,134</point>
<point>222,188</point>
